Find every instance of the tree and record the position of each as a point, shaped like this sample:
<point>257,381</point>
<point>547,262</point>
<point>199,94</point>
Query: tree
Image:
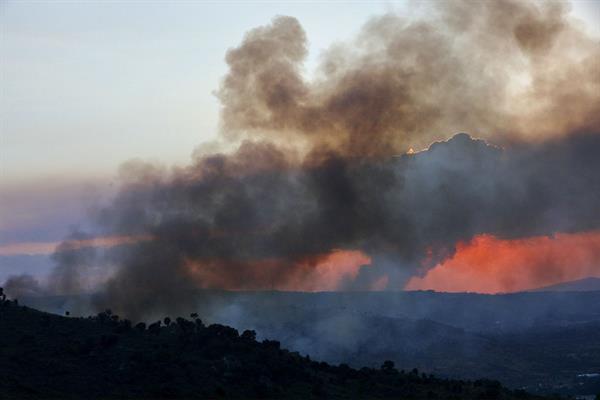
<point>249,335</point>
<point>388,365</point>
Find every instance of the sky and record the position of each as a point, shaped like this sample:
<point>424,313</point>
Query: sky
<point>88,85</point>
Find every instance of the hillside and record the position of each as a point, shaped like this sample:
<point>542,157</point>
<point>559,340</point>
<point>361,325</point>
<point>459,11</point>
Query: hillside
<point>524,340</point>
<point>581,285</point>
<point>538,341</point>
<point>48,356</point>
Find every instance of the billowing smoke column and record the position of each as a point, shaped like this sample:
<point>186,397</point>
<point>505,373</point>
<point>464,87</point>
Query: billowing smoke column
<point>248,229</point>
<point>320,172</point>
<point>503,69</point>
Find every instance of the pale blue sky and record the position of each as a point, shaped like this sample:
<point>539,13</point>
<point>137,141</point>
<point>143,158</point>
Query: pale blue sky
<point>86,85</point>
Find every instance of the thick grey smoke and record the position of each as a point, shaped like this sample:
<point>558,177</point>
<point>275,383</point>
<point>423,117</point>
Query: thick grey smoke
<point>319,165</point>
<point>19,286</point>
<point>217,225</point>
<point>78,267</point>
<point>504,69</point>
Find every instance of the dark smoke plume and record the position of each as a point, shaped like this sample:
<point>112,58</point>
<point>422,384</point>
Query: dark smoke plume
<point>218,225</point>
<point>505,69</point>
<point>320,166</point>
<point>19,286</point>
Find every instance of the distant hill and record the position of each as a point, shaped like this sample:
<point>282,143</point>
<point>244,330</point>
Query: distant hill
<point>581,285</point>
<point>104,357</point>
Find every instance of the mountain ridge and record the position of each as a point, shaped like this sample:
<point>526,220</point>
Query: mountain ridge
<point>580,285</point>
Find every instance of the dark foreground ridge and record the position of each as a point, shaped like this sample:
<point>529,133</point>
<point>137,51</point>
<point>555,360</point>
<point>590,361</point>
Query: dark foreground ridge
<point>103,357</point>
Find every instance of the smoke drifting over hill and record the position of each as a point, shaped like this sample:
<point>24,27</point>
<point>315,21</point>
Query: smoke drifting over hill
<point>271,229</point>
<point>315,184</point>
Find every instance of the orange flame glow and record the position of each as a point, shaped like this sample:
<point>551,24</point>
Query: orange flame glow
<point>491,265</point>
<point>326,272</point>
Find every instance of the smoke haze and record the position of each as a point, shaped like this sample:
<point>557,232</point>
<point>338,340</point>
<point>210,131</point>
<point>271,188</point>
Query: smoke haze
<point>271,228</point>
<point>319,192</point>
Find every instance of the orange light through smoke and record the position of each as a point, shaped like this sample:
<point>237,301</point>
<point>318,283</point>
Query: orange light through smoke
<point>325,272</point>
<point>488,264</point>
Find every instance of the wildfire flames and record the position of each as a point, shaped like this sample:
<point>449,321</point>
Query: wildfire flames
<point>323,273</point>
<point>488,264</point>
